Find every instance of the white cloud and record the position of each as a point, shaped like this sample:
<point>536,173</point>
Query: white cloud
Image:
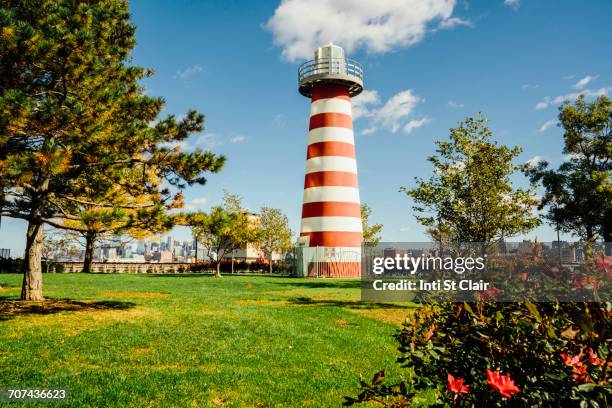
<point>393,115</point>
<point>568,77</point>
<point>588,93</point>
<point>585,81</point>
<point>415,124</point>
<point>361,104</point>
<point>206,141</point>
<point>398,107</point>
<point>530,86</point>
<point>453,22</point>
<point>199,201</point>
<point>188,72</point>
<point>196,203</point>
<point>543,104</point>
<point>534,160</point>
<point>547,125</point>
<point>300,26</point>
<point>513,3</point>
<point>455,105</point>
<point>182,145</point>
<point>571,156</point>
<point>369,130</point>
<point>557,100</point>
<point>238,139</point>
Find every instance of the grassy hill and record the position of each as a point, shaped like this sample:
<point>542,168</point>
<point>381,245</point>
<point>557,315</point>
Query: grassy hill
<point>193,340</point>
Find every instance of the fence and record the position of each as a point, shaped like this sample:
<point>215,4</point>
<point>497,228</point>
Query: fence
<point>313,262</point>
<point>323,262</point>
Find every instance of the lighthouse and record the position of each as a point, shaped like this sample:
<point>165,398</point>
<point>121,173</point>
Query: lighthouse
<point>330,231</point>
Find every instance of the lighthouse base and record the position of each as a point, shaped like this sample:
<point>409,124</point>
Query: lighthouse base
<point>334,269</point>
<point>330,262</point>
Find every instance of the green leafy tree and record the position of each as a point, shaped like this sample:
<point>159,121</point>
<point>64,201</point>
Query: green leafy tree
<point>73,115</point>
<point>578,194</point>
<point>470,197</point>
<point>371,233</point>
<point>224,230</point>
<point>274,232</point>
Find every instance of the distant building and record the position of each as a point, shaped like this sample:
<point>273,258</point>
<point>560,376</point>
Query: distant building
<point>502,247</point>
<point>566,252</point>
<point>525,247</point>
<point>393,252</point>
<point>170,244</point>
<point>249,252</point>
<point>158,256</point>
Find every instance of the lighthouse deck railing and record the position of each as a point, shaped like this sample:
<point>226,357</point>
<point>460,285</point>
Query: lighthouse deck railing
<point>330,66</point>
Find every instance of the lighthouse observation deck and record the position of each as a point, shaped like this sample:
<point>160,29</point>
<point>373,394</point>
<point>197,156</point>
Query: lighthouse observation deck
<point>330,66</point>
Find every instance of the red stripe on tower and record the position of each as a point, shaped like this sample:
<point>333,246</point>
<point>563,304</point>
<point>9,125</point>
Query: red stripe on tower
<point>331,149</point>
<point>330,178</point>
<point>331,119</point>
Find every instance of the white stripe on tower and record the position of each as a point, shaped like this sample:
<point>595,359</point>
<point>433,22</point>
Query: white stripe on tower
<point>330,134</point>
<point>328,223</point>
<point>331,194</point>
<point>331,163</point>
<point>330,105</point>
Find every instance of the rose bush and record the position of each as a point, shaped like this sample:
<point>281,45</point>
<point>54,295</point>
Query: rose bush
<point>502,354</point>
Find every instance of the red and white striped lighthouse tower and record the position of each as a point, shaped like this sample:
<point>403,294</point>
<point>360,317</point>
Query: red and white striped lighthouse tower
<point>331,219</point>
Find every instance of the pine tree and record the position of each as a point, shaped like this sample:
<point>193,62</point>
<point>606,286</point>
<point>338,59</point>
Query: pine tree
<point>72,113</point>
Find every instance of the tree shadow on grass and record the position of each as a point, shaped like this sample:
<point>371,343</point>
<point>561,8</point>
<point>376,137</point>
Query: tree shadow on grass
<point>347,304</point>
<point>10,309</point>
<point>320,284</point>
<point>212,275</point>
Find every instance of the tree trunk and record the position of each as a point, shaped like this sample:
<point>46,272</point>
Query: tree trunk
<point>218,273</point>
<point>270,261</point>
<point>90,241</point>
<point>32,286</point>
<point>590,235</point>
<point>606,232</point>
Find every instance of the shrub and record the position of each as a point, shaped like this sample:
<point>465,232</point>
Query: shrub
<point>10,265</point>
<point>502,354</point>
<point>53,267</point>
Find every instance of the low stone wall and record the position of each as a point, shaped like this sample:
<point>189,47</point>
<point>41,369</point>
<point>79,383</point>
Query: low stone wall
<point>125,267</point>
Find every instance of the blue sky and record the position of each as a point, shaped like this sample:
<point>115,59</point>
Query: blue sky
<point>428,64</point>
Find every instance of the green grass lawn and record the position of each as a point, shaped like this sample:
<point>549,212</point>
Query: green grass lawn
<point>193,340</point>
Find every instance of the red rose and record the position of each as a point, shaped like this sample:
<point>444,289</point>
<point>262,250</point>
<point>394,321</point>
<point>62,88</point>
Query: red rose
<point>502,383</point>
<point>593,358</point>
<point>580,373</point>
<point>457,385</point>
<point>571,361</point>
<point>605,263</point>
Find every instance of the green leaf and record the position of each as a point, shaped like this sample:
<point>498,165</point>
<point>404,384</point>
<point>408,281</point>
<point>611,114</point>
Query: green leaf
<point>534,311</point>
